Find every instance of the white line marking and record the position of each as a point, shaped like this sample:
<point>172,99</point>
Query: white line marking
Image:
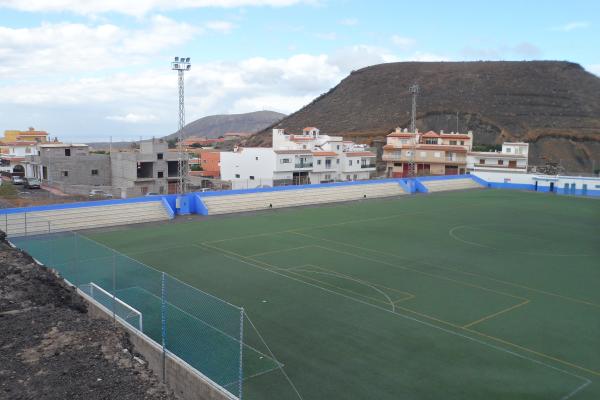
<point>481,342</point>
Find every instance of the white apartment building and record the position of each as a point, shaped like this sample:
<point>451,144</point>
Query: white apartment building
<point>513,158</point>
<point>13,155</point>
<point>298,159</point>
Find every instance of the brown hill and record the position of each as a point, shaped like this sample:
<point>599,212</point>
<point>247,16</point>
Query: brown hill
<point>216,125</point>
<point>553,105</point>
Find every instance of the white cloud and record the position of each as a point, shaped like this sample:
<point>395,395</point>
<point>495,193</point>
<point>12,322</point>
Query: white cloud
<point>571,26</point>
<point>101,77</point>
<point>133,118</point>
<point>74,47</point>
<point>402,42</point>
<point>220,26</point>
<point>327,36</point>
<point>359,56</point>
<point>349,21</point>
<point>134,7</point>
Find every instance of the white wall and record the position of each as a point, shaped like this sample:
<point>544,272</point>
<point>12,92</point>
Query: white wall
<point>592,184</point>
<point>248,168</point>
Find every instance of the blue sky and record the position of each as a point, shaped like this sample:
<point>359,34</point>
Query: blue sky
<point>90,70</point>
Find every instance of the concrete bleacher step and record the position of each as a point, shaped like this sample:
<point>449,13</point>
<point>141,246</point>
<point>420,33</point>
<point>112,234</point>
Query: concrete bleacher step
<point>450,184</point>
<point>85,217</point>
<point>304,196</point>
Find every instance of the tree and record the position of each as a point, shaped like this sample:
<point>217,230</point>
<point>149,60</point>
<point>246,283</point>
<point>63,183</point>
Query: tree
<point>172,143</point>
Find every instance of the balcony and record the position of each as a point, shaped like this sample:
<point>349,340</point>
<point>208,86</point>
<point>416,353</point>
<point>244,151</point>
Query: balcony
<point>456,159</point>
<point>303,165</point>
<point>370,165</point>
<point>392,157</point>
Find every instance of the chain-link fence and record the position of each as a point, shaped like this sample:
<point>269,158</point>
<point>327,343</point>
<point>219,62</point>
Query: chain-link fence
<point>199,328</point>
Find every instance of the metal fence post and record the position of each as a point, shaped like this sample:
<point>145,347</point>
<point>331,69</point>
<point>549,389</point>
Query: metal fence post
<point>241,369</point>
<point>114,285</point>
<point>163,311</point>
<point>76,261</point>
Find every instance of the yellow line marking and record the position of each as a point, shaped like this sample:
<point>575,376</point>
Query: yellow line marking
<point>459,271</point>
<point>264,253</point>
<point>296,270</point>
<point>423,273</point>
<point>255,263</point>
<point>353,221</point>
<point>597,373</point>
<point>496,314</point>
<point>410,295</point>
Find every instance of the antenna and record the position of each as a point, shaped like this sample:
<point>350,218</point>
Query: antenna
<point>414,90</point>
<point>457,122</point>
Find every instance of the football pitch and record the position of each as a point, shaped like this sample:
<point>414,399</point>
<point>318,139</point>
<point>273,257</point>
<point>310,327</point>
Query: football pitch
<point>481,294</point>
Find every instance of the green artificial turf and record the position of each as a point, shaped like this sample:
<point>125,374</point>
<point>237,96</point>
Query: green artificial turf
<point>479,294</point>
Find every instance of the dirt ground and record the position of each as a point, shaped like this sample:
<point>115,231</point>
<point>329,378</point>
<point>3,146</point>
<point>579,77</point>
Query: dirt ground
<point>50,348</point>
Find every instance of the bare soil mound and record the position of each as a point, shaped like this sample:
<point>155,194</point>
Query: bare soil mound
<point>50,348</point>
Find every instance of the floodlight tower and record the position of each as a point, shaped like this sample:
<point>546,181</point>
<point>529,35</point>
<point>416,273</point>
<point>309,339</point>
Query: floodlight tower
<point>414,91</point>
<point>181,64</point>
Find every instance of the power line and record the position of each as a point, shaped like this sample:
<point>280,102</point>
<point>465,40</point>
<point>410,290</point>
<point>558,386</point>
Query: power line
<point>414,91</point>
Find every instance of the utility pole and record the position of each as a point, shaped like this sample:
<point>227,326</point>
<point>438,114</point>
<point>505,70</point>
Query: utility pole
<point>414,91</point>
<point>181,64</point>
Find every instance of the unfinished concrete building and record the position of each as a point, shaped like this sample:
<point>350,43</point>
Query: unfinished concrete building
<point>151,169</point>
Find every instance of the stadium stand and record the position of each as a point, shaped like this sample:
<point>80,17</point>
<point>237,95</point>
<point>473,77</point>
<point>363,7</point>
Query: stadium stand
<point>450,184</point>
<point>66,219</point>
<point>289,198</point>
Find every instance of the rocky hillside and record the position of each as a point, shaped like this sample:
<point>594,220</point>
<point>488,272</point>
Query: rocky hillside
<point>553,105</point>
<point>216,125</point>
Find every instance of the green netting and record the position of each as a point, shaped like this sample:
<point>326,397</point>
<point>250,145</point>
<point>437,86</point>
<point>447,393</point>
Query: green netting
<point>201,329</point>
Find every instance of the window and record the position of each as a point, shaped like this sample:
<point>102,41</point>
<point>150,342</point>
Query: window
<point>285,161</point>
<point>159,156</point>
<point>65,173</point>
<point>337,161</point>
<point>67,152</point>
<point>355,176</point>
<point>94,172</point>
<point>318,162</point>
<point>500,162</point>
<point>423,154</point>
<point>161,189</point>
<point>453,142</point>
<point>462,142</point>
<point>347,177</point>
<point>327,177</point>
<point>161,174</point>
<point>508,149</point>
<point>256,158</point>
<point>237,175</point>
<point>349,162</point>
<point>437,154</point>
<point>252,176</point>
<point>481,161</point>
<point>338,146</point>
<point>27,150</point>
<point>430,141</point>
<point>397,164</point>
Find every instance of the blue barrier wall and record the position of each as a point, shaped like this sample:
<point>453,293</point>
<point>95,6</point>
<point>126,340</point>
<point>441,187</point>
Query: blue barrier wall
<point>194,204</point>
